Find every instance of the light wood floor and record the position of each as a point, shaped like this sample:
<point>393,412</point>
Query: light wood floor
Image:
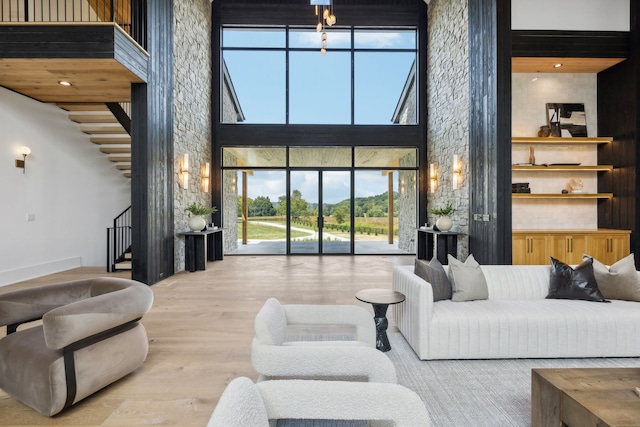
<point>200,330</point>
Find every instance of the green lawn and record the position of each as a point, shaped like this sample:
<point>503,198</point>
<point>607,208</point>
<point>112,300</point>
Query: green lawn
<point>265,232</point>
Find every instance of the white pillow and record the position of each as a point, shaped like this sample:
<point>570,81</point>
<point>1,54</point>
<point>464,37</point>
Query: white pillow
<point>620,281</point>
<point>467,280</point>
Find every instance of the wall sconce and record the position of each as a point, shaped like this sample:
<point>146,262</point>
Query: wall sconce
<point>433,178</point>
<point>206,171</point>
<point>25,151</point>
<point>457,172</point>
<point>184,171</point>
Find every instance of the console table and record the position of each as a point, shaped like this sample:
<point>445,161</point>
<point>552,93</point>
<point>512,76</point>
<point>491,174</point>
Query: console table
<point>446,243</point>
<point>202,246</point>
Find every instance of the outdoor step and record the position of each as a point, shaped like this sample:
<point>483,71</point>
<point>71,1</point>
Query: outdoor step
<point>111,139</point>
<point>116,150</point>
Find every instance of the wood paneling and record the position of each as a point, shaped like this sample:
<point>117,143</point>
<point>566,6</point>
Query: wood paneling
<point>619,116</point>
<point>490,130</point>
<point>99,59</point>
<point>569,65</point>
<point>571,44</point>
<point>152,153</point>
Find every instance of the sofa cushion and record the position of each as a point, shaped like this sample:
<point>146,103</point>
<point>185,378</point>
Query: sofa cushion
<point>434,273</point>
<point>619,281</point>
<point>467,280</point>
<point>566,282</point>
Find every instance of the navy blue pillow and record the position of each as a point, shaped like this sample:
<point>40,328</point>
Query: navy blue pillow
<point>579,283</point>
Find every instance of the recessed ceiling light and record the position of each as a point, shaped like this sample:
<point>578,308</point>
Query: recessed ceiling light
<point>557,65</point>
<point>535,79</point>
<point>64,83</point>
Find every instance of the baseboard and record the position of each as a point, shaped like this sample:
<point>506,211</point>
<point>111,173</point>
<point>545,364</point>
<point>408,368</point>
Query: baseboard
<point>8,277</point>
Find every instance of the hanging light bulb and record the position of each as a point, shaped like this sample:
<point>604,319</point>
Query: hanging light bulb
<point>331,20</point>
<point>325,13</point>
<point>323,51</point>
<point>319,27</point>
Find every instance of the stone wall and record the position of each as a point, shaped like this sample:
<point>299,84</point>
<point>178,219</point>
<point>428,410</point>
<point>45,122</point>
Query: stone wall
<point>448,106</point>
<point>192,106</point>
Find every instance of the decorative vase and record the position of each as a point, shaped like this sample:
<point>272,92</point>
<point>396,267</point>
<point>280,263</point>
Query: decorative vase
<point>444,223</point>
<point>544,131</point>
<point>197,223</point>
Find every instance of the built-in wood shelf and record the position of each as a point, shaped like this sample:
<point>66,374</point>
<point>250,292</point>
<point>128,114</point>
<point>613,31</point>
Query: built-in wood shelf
<point>564,168</point>
<point>560,141</point>
<point>562,196</point>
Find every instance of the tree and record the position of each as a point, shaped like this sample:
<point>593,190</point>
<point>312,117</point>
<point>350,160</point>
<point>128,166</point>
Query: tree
<point>340,213</point>
<point>249,203</point>
<point>299,206</point>
<point>262,206</point>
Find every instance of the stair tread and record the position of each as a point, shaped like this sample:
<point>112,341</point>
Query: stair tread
<point>93,118</point>
<point>118,159</point>
<point>125,139</point>
<point>103,129</point>
<point>116,150</point>
<point>82,106</point>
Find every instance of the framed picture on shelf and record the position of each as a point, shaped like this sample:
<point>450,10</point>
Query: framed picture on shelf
<point>567,120</point>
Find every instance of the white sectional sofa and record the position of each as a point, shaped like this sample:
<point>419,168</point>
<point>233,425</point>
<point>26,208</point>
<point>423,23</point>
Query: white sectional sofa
<point>516,321</point>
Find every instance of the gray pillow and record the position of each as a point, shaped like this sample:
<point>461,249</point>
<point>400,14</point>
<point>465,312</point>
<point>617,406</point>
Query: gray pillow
<point>620,281</point>
<point>467,280</point>
<point>434,273</point>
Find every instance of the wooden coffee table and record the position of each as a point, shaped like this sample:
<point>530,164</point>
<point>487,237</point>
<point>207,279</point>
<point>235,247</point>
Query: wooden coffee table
<point>577,397</point>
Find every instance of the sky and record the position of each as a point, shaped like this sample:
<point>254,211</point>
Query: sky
<point>319,85</point>
<point>319,93</point>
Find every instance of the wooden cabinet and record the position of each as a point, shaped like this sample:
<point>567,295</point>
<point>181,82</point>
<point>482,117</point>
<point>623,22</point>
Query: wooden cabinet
<point>608,248</point>
<point>568,248</point>
<point>535,246</point>
<point>530,249</point>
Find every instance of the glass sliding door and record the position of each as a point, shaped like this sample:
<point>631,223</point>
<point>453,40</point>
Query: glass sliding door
<point>320,212</point>
<point>303,220</point>
<point>336,212</point>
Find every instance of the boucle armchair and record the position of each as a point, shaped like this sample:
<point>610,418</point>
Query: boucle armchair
<point>274,357</point>
<point>89,337</point>
<point>244,403</point>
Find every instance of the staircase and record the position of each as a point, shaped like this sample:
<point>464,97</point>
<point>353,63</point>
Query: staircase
<point>119,243</point>
<point>105,130</point>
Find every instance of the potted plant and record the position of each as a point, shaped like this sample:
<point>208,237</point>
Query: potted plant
<point>198,212</point>
<point>444,222</point>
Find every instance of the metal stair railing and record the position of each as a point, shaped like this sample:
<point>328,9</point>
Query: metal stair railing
<point>118,239</point>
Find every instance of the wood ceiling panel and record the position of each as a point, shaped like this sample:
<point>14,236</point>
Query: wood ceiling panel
<point>569,65</point>
<point>93,80</point>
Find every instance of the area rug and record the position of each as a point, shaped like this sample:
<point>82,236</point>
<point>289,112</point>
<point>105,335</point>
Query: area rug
<point>477,393</point>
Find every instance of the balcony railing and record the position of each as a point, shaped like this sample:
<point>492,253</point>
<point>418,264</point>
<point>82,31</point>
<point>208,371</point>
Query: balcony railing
<point>130,15</point>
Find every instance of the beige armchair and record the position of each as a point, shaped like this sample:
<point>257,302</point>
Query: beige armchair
<point>90,336</point>
<point>276,357</point>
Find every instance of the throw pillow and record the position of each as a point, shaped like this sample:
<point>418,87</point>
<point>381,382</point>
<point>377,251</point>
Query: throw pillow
<point>434,273</point>
<point>467,280</point>
<point>619,281</point>
<point>568,283</point>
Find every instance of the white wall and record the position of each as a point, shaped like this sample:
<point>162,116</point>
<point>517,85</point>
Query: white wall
<point>72,189</point>
<point>571,15</point>
<point>530,92</point>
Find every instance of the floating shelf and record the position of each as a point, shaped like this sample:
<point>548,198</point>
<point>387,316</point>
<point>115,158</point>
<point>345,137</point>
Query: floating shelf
<point>560,141</point>
<point>562,196</point>
<point>564,168</point>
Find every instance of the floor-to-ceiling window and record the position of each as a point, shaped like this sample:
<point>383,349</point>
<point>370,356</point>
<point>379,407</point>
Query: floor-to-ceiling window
<point>319,152</point>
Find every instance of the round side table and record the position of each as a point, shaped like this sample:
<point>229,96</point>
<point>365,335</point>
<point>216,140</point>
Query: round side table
<point>380,299</point>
